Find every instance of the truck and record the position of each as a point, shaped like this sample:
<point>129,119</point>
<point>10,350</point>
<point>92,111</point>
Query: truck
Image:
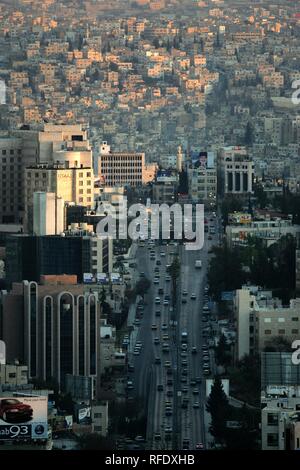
<point>198,264</point>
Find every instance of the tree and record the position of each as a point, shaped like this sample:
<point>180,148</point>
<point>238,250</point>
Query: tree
<point>225,271</point>
<point>218,407</point>
<point>174,271</point>
<point>222,352</point>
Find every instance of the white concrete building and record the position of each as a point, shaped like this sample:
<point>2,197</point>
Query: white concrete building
<point>48,214</point>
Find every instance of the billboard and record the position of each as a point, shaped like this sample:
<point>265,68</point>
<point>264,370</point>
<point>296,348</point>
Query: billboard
<point>239,218</point>
<point>102,278</point>
<point>23,418</point>
<point>88,278</point>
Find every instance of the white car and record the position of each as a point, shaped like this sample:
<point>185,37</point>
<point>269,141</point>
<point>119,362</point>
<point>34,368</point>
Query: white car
<point>166,302</point>
<point>193,296</point>
<point>157,300</point>
<point>168,278</point>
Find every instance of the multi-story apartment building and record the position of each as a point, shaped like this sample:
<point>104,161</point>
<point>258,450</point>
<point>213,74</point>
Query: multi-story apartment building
<point>202,178</point>
<point>54,328</point>
<point>74,184</point>
<point>74,252</point>
<point>260,318</point>
<point>124,168</point>
<point>13,160</point>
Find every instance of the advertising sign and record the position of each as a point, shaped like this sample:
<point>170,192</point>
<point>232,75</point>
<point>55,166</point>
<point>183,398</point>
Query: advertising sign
<point>102,278</point>
<point>23,418</point>
<point>88,278</point>
<point>239,218</point>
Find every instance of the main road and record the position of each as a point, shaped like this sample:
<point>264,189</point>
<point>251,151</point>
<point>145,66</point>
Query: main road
<point>171,382</point>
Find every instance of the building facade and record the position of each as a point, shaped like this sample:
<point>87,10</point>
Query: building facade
<point>57,330</point>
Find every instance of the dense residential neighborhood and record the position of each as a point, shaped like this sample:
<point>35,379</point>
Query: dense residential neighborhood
<point>118,330</point>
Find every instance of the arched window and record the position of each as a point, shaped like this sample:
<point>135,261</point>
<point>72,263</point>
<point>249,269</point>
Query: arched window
<point>81,335</point>
<point>33,329</point>
<point>66,336</point>
<point>48,338</point>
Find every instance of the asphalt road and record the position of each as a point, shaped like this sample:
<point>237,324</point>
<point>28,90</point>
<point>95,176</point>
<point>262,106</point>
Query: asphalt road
<point>179,425</point>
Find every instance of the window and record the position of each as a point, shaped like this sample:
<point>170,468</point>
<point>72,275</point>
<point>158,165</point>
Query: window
<point>81,199</point>
<point>98,415</point>
<point>3,152</point>
<point>94,253</point>
<point>98,428</point>
<point>80,191</point>
<point>295,319</point>
<point>12,375</point>
<point>267,320</point>
<point>81,183</point>
<point>268,332</point>
<point>88,191</point>
<point>295,332</point>
<point>281,332</point>
<point>281,320</point>
<point>80,175</point>
<point>88,175</point>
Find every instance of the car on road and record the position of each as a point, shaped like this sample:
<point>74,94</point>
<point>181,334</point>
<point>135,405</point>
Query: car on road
<point>136,352</point>
<point>157,436</point>
<point>184,292</point>
<point>195,391</point>
<point>184,347</point>
<point>194,350</point>
<point>160,387</point>
<point>158,262</point>
<point>156,341</point>
<point>168,278</point>
<point>183,354</point>
<point>168,412</point>
<point>183,379</point>
<point>164,326</point>
<point>169,372</point>
<point>166,302</point>
<point>160,291</point>
<point>157,300</point>
<point>156,281</point>
<point>184,372</point>
<point>209,237</point>
<point>169,381</point>
<point>193,296</point>
<point>205,357</point>
<point>193,382</point>
<point>184,362</point>
<point>185,444</point>
<point>198,380</point>
<point>140,439</point>
<point>154,327</point>
<point>167,297</point>
<point>183,300</point>
<point>157,360</point>
<point>199,446</point>
<point>162,253</point>
<point>167,364</point>
<point>137,322</point>
<point>184,389</point>
<point>157,313</point>
<point>196,404</point>
<point>169,393</point>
